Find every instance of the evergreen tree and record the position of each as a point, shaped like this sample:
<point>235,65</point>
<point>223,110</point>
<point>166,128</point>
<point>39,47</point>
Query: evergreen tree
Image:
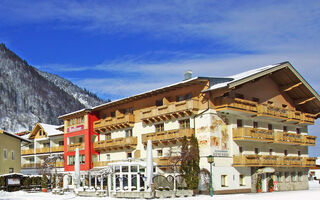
<point>54,180</point>
<point>190,162</point>
<point>44,181</point>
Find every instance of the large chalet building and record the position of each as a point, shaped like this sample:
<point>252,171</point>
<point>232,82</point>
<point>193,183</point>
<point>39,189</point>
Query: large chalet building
<point>255,124</point>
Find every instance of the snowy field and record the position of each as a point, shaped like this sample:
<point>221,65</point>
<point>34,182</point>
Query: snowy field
<point>312,194</point>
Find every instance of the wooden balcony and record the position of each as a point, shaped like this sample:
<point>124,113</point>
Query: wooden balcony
<point>165,137</point>
<point>170,111</point>
<point>272,161</point>
<point>251,108</point>
<point>102,163</point>
<point>236,104</point>
<point>27,151</point>
<point>31,165</point>
<point>308,140</point>
<point>113,123</point>
<point>116,144</point>
<point>72,147</point>
<point>254,134</point>
<point>57,148</point>
<point>43,150</point>
<point>288,138</point>
<point>166,160</point>
<point>60,164</point>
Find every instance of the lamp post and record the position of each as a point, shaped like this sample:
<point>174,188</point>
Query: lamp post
<point>211,161</point>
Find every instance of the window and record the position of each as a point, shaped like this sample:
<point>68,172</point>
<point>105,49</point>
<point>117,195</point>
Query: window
<point>285,129</point>
<point>188,96</point>
<point>255,99</point>
<point>285,152</point>
<point>159,127</point>
<point>256,151</point>
<point>239,123</point>
<point>129,155</point>
<point>184,124</point>
<point>46,145</point>
<point>270,127</point>
<point>5,154</point>
<point>80,140</point>
<point>113,114</point>
<point>293,176</point>
<point>299,176</point>
<point>223,180</point>
<point>286,174</point>
<point>61,143</point>
<point>240,96</point>
<point>255,124</point>
<point>108,136</point>
<point>284,105</point>
<point>240,150</point>
<point>82,159</point>
<point>298,130</point>
<point>241,180</point>
<point>299,153</point>
<point>70,160</point>
<point>11,170</point>
<point>270,152</point>
<point>129,133</point>
<point>12,155</point>
<point>108,156</point>
<point>179,98</point>
<point>159,102</point>
<point>159,152</point>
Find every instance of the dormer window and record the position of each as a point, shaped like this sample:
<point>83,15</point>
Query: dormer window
<point>159,102</point>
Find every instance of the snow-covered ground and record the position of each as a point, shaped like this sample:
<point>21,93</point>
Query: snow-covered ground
<point>312,194</point>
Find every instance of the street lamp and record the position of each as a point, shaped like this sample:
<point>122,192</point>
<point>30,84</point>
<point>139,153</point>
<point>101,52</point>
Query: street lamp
<point>211,161</point>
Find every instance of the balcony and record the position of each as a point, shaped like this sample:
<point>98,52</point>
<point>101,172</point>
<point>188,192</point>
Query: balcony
<point>235,104</point>
<point>30,165</point>
<point>251,108</point>
<point>101,163</point>
<point>170,111</point>
<point>252,134</point>
<point>165,137</point>
<point>57,148</point>
<point>166,160</point>
<point>288,138</point>
<point>272,161</point>
<point>113,123</point>
<point>115,144</point>
<point>72,147</point>
<point>60,164</point>
<point>308,140</point>
<point>43,150</point>
<point>27,151</point>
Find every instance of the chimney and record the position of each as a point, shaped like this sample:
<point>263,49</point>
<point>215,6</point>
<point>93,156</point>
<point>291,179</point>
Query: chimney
<point>187,75</point>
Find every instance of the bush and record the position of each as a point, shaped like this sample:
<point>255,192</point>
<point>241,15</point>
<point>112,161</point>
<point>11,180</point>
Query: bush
<point>259,183</point>
<point>2,181</point>
<point>26,182</point>
<point>270,184</point>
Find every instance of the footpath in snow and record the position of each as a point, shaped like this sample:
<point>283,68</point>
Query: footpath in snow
<point>312,194</point>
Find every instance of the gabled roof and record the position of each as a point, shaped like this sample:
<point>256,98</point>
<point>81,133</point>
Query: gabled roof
<point>288,79</point>
<point>50,130</point>
<point>13,135</point>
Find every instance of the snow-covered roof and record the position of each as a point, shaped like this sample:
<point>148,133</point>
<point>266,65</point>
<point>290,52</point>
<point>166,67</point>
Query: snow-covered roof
<point>51,130</point>
<point>15,136</point>
<point>241,76</point>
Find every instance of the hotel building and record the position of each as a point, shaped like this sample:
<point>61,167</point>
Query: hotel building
<point>255,124</point>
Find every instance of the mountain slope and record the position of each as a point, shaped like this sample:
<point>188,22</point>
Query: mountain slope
<point>27,97</point>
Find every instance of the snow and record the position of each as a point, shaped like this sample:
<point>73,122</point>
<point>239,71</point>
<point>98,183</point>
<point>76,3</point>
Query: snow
<point>242,75</point>
<point>51,130</point>
<point>312,194</point>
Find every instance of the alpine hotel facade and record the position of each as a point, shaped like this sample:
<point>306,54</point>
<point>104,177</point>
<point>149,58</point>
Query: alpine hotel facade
<point>255,124</point>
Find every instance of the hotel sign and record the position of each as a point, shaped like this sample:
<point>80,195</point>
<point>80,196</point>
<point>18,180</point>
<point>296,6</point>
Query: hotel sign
<point>13,181</point>
<point>220,153</point>
<point>75,128</point>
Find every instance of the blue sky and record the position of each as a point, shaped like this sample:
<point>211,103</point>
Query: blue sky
<point>120,48</point>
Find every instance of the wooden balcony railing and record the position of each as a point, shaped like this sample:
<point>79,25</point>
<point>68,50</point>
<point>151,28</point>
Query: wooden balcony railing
<point>31,165</point>
<point>113,123</point>
<point>256,134</point>
<point>117,143</point>
<point>27,151</point>
<point>103,163</point>
<point>57,148</point>
<point>169,111</point>
<point>223,103</point>
<point>72,147</point>
<point>43,150</point>
<point>60,164</point>
<point>263,110</point>
<point>288,138</point>
<point>308,140</point>
<point>166,161</point>
<point>167,136</point>
<point>273,161</point>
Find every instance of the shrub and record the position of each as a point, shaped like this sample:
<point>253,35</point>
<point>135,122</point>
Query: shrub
<point>44,181</point>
